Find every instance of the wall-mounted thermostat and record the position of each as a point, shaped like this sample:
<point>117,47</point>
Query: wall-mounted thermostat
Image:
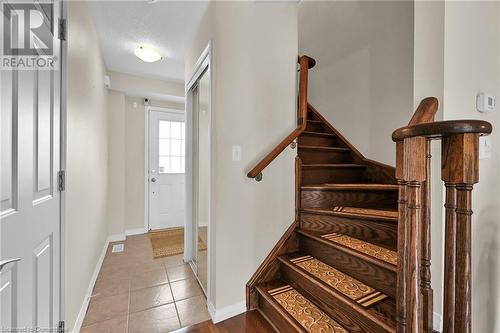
<point>485,102</point>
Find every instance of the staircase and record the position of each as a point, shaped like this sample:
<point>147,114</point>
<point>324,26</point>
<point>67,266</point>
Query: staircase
<point>336,270</point>
<point>357,257</point>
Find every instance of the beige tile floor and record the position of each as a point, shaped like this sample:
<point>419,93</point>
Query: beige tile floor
<point>136,293</point>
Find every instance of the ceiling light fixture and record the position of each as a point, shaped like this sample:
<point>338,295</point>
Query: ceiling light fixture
<point>147,54</point>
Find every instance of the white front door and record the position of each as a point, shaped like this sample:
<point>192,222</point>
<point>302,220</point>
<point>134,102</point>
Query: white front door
<point>30,201</point>
<point>166,169</point>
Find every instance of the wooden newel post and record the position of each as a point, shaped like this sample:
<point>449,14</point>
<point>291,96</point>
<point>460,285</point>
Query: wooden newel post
<point>412,175</point>
<point>460,159</point>
<point>459,171</point>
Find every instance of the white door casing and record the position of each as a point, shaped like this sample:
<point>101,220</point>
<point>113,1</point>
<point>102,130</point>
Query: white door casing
<point>202,67</point>
<point>166,169</point>
<point>30,198</point>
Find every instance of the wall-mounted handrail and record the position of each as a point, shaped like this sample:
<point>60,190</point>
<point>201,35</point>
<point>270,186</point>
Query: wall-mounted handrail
<point>305,63</point>
<point>459,171</point>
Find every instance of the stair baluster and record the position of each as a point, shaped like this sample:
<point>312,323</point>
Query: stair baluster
<point>460,158</point>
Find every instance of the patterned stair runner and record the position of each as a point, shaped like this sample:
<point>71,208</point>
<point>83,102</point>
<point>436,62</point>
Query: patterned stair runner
<point>367,248</point>
<point>367,211</point>
<point>357,291</point>
<point>304,312</point>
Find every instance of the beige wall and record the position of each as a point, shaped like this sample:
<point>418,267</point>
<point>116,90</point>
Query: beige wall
<point>428,80</point>
<point>126,160</point>
<point>471,53</point>
<point>86,226</point>
<point>137,86</point>
<point>116,163</point>
<point>254,103</point>
<point>363,79</point>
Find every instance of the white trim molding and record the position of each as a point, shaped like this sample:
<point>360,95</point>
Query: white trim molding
<point>116,238</point>
<point>227,312</point>
<point>93,279</point>
<point>135,231</point>
<point>203,65</point>
<point>128,232</point>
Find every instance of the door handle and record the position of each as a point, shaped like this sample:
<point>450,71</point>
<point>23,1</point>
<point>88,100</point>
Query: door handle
<point>8,261</point>
<point>153,180</point>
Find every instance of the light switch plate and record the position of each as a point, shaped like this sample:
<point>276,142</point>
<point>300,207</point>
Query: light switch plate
<point>236,153</point>
<point>484,147</point>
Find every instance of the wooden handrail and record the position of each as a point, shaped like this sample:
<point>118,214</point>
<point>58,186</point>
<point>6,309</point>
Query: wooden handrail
<point>426,111</point>
<point>460,171</point>
<point>305,63</point>
<point>440,129</point>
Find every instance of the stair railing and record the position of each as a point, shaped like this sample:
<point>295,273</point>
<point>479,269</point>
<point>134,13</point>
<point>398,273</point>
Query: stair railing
<point>305,63</point>
<point>459,171</point>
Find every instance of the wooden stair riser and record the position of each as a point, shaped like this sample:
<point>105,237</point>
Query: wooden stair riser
<point>327,199</point>
<point>339,175</point>
<point>375,275</point>
<point>311,115</point>
<point>313,126</point>
<point>350,315</point>
<point>386,311</point>
<point>276,315</point>
<point>380,233</point>
<point>320,141</point>
<point>321,156</point>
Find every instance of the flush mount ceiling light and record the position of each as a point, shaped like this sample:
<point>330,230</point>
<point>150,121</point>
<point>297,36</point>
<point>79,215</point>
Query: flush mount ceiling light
<point>147,54</point>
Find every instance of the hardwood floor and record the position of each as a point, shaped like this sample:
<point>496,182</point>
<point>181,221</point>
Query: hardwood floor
<point>248,322</point>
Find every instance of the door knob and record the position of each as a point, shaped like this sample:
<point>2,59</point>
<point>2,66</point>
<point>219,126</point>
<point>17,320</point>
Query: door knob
<point>153,180</point>
<point>8,261</point>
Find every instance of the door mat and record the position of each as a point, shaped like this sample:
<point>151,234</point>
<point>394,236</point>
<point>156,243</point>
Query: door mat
<point>170,242</point>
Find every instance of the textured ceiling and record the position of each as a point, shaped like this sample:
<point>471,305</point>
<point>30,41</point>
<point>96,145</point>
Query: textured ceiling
<point>166,25</point>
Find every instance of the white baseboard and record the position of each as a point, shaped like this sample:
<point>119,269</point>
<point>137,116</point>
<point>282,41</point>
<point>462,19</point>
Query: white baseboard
<point>86,300</point>
<point>227,312</point>
<point>135,231</point>
<point>116,238</point>
<point>437,322</point>
<point>128,232</point>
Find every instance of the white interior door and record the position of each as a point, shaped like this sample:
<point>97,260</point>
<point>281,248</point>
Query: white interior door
<point>30,201</point>
<point>166,188</point>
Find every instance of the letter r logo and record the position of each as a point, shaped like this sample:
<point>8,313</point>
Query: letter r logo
<point>27,29</point>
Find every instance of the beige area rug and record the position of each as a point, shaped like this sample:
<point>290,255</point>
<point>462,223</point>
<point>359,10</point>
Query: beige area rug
<point>170,242</point>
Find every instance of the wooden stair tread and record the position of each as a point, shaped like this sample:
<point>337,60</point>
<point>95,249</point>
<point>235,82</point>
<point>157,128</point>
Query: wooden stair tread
<point>363,247</point>
<point>304,312</point>
<point>388,215</point>
<point>346,285</point>
<point>318,134</point>
<point>353,186</point>
<point>323,148</point>
<point>366,251</point>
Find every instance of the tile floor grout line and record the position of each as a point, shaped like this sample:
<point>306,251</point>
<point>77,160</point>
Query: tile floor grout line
<point>172,293</point>
<point>136,258</point>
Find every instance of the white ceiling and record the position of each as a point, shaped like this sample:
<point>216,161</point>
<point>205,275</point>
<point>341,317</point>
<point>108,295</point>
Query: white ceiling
<point>168,26</point>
